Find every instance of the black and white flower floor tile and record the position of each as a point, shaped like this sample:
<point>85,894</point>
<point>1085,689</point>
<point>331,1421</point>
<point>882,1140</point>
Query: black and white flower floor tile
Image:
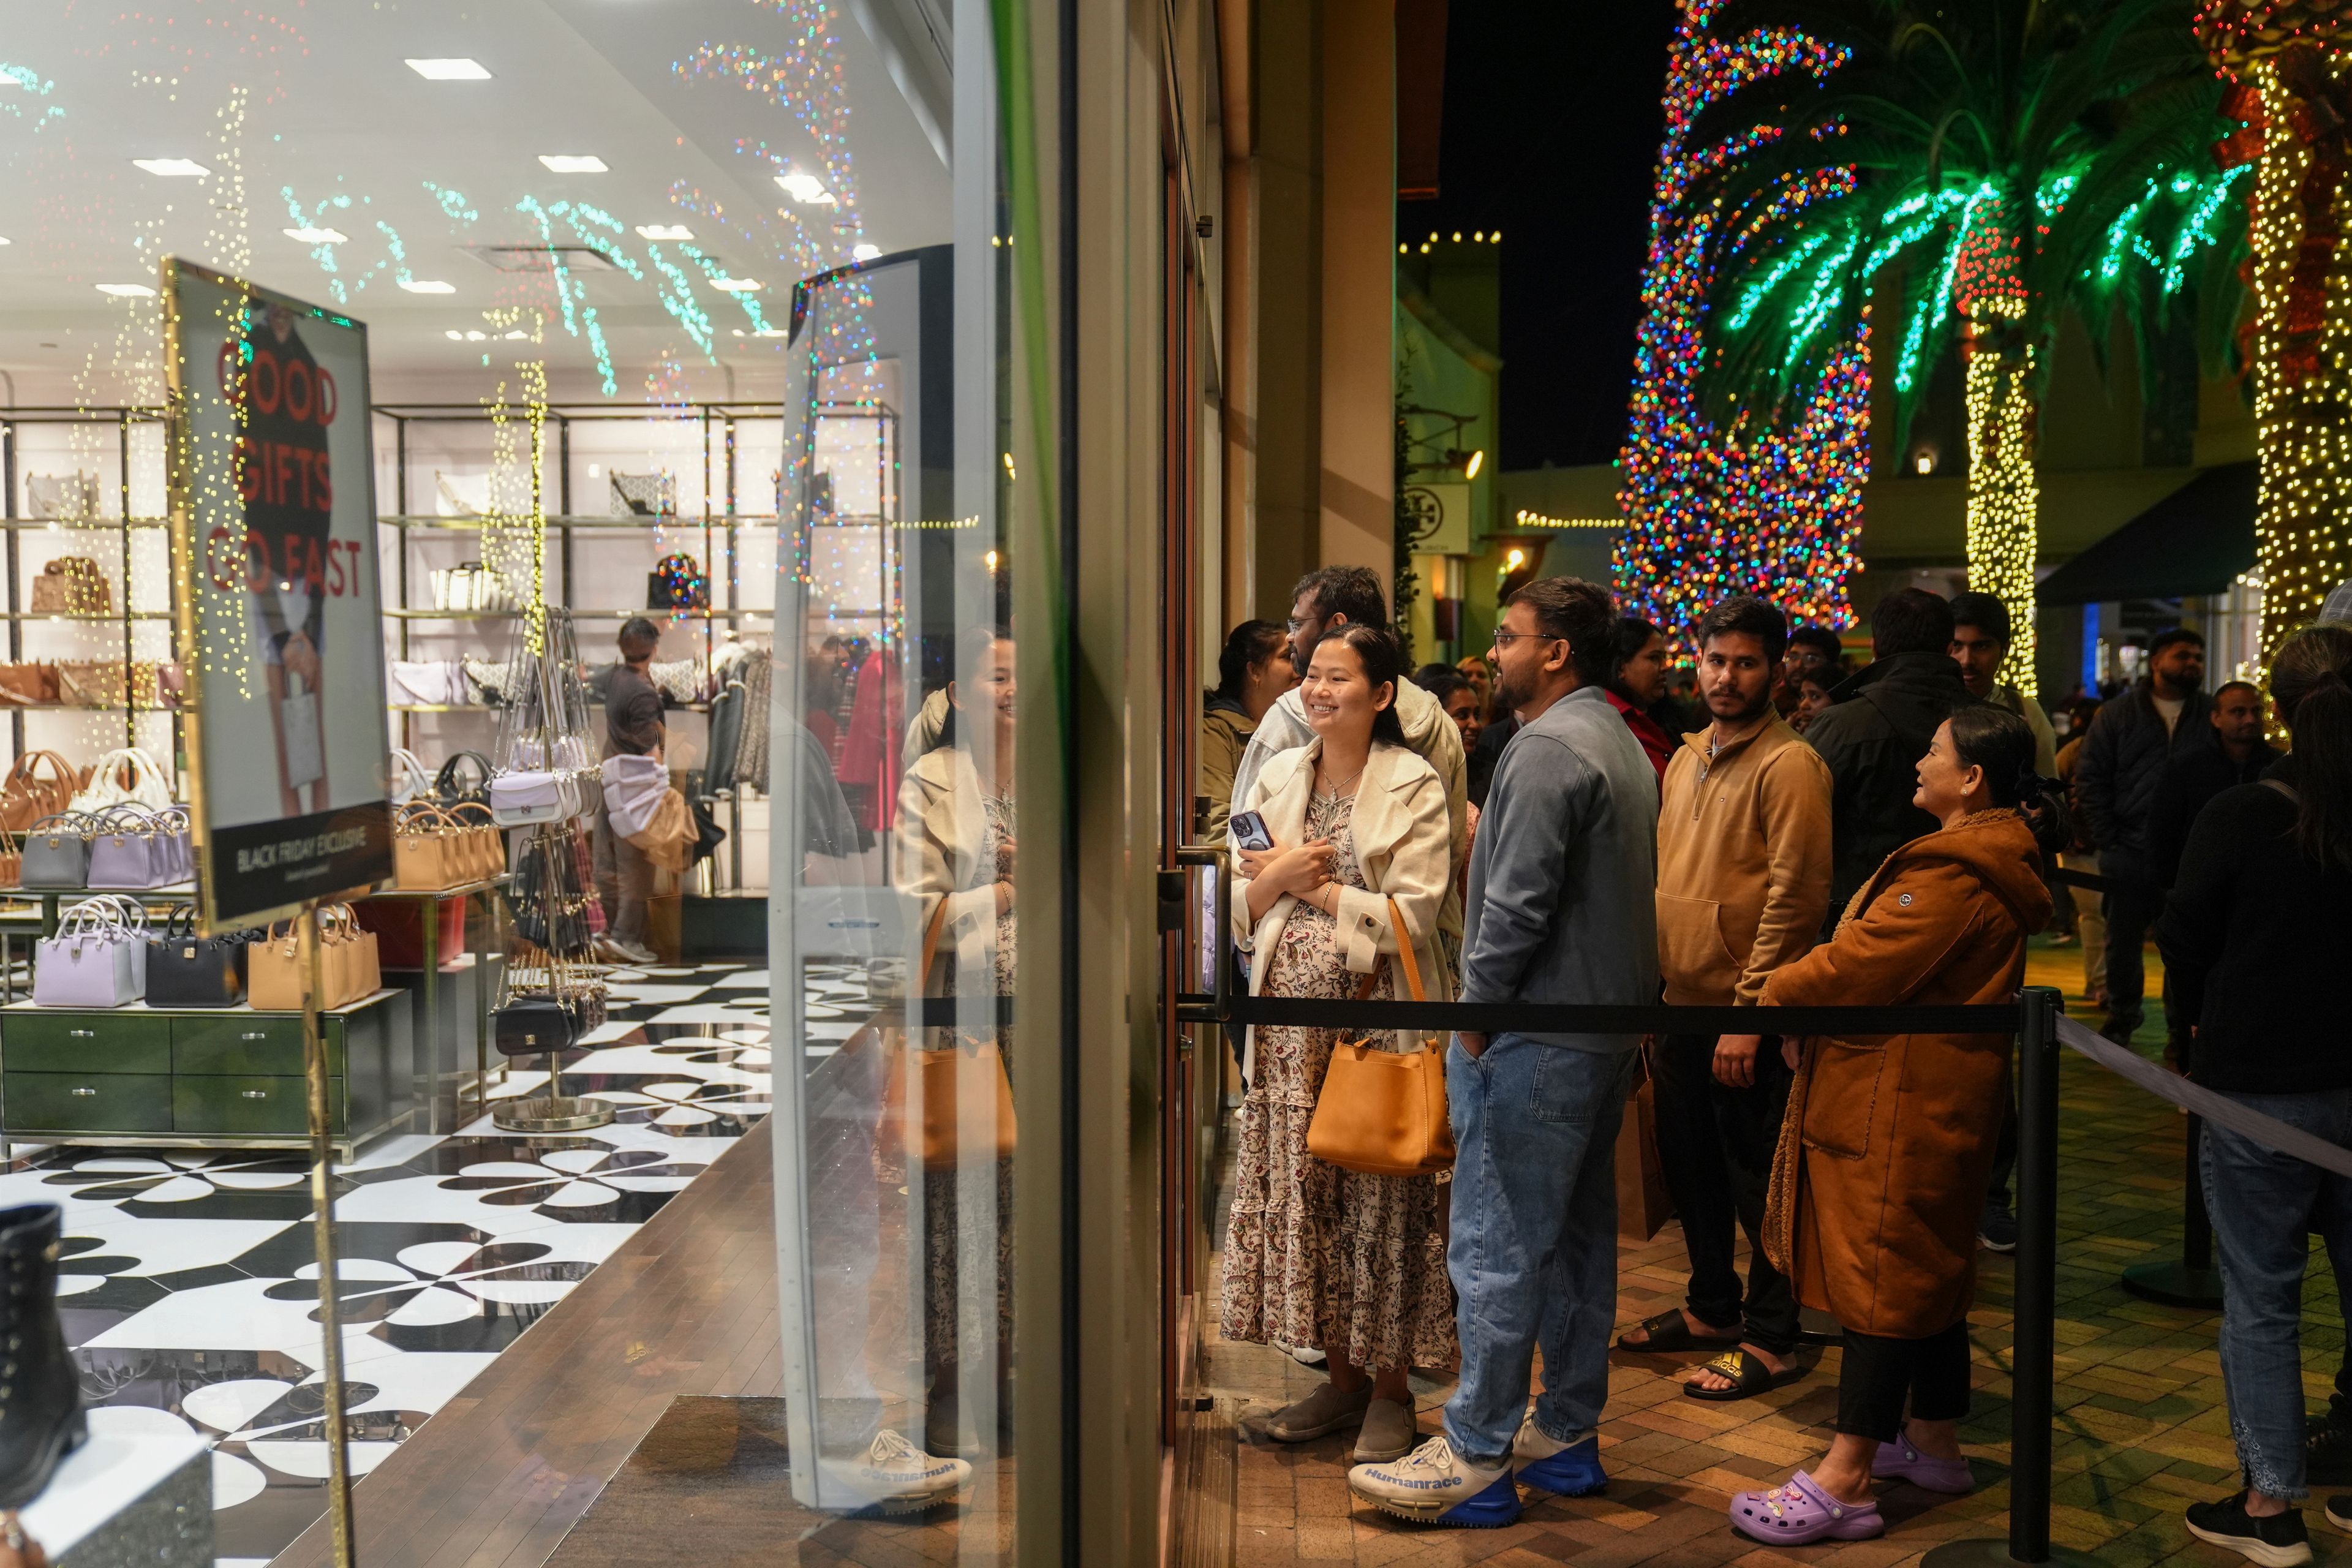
<point>189,1281</point>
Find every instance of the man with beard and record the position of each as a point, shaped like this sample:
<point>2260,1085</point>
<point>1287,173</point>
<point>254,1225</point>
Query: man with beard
<point>1743,883</point>
<point>1559,909</point>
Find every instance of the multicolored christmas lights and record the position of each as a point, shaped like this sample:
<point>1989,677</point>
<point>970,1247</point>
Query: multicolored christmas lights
<point>1711,512</point>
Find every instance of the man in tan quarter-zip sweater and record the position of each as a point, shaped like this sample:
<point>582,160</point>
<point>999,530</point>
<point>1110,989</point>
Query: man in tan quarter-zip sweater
<point>1744,862</point>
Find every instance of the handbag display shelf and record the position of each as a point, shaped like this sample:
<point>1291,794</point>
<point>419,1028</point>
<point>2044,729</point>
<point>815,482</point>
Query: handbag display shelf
<point>454,994</point>
<point>549,1003</point>
<point>203,1078</point>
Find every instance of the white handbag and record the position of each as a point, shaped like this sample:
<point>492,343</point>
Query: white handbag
<point>532,795</point>
<point>410,777</point>
<point>126,776</point>
<point>633,787</point>
<point>426,682</point>
<point>67,499</point>
<point>90,962</point>
<point>306,751</point>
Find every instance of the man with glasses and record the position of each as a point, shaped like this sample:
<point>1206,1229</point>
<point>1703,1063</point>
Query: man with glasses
<point>1560,909</point>
<point>1323,602</point>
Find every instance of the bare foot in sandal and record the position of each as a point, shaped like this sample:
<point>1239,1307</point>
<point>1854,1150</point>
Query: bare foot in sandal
<point>1713,1378</point>
<point>1660,1333</point>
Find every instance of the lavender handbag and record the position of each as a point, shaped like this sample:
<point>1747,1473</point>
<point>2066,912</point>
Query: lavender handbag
<point>89,963</point>
<point>131,915</point>
<point>133,848</point>
<point>57,852</point>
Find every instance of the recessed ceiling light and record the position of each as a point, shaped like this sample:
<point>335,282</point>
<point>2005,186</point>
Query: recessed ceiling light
<point>805,189</point>
<point>316,236</point>
<point>771,332</point>
<point>738,285</point>
<point>573,162</point>
<point>454,335</point>
<point>427,286</point>
<point>127,290</point>
<point>517,335</point>
<point>5,240</point>
<point>173,168</point>
<point>450,70</point>
<point>864,252</point>
<point>476,336</point>
<point>664,231</point>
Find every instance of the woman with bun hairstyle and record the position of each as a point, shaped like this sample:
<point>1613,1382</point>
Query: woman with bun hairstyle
<point>1888,1140</point>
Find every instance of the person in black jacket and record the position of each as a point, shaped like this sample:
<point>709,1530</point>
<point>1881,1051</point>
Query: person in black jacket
<point>2239,755</point>
<point>2131,743</point>
<point>2255,934</point>
<point>1878,726</point>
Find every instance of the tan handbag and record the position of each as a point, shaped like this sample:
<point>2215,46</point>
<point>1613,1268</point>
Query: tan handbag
<point>668,837</point>
<point>25,797</point>
<point>973,1071</point>
<point>423,844</point>
<point>93,682</point>
<point>273,971</point>
<point>482,846</point>
<point>28,685</point>
<point>1383,1112</point>
<point>72,585</point>
<point>12,859</point>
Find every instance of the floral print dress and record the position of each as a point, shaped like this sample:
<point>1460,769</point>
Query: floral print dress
<point>953,1250</point>
<point>1316,1254</point>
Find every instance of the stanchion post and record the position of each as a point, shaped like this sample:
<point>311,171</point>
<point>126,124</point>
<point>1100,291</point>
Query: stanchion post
<point>2193,1281</point>
<point>2033,1345</point>
<point>322,1206</point>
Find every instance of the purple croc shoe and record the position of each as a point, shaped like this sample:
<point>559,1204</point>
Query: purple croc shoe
<point>1899,1461</point>
<point>1797,1511</point>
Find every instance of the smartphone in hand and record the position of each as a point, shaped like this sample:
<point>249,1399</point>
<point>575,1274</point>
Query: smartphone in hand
<point>1248,829</point>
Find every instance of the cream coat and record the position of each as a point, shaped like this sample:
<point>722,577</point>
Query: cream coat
<point>1402,830</point>
<point>939,826</point>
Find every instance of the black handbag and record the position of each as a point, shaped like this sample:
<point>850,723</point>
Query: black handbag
<point>449,787</point>
<point>549,906</point>
<point>185,969</point>
<point>678,583</point>
<point>533,1025</point>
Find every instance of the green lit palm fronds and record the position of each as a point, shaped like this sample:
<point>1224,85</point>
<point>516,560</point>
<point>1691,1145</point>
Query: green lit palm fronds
<point>2010,159</point>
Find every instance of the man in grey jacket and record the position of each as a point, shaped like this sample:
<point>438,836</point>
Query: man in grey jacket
<point>1560,909</point>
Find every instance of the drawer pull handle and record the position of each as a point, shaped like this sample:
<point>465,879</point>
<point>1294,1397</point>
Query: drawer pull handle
<point>86,1093</point>
<point>81,1033</point>
<point>254,1034</point>
<point>255,1093</point>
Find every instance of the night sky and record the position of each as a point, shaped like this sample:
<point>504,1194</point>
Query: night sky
<point>1550,134</point>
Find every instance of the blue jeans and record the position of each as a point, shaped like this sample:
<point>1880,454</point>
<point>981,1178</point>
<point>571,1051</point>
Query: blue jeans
<point>1534,1254</point>
<point>2263,1204</point>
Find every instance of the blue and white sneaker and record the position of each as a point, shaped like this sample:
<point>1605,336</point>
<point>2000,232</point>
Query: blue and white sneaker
<point>893,1477</point>
<point>1433,1485</point>
<point>1564,1469</point>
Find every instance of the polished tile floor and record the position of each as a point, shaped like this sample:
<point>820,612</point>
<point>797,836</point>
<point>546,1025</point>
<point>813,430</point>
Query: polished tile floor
<point>189,1282</point>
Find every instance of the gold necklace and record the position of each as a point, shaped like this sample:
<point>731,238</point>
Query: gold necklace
<point>1333,793</point>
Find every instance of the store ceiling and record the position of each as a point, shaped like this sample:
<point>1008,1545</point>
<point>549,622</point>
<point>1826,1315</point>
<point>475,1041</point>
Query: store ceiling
<point>428,179</point>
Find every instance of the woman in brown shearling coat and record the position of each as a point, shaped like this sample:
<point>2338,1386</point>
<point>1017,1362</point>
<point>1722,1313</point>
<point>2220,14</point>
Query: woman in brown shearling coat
<point>1889,1138</point>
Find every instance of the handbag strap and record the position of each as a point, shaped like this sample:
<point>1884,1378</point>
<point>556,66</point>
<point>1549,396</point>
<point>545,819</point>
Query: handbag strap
<point>76,822</point>
<point>1405,957</point>
<point>931,929</point>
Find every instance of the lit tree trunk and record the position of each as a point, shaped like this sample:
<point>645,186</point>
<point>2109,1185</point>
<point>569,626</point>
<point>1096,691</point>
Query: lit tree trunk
<point>2004,498</point>
<point>2300,98</point>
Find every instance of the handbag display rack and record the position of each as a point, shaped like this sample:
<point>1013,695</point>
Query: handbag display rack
<point>543,766</point>
<point>547,1001</point>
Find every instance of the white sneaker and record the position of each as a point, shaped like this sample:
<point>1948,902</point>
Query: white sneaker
<point>629,952</point>
<point>894,1476</point>
<point>1549,1465</point>
<point>1432,1485</point>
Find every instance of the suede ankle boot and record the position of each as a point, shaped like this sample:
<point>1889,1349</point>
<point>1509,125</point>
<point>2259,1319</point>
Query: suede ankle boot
<point>40,1397</point>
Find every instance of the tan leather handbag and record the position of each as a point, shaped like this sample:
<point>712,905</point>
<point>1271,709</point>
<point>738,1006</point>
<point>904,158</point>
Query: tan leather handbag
<point>25,797</point>
<point>1383,1112</point>
<point>968,1070</point>
<point>427,848</point>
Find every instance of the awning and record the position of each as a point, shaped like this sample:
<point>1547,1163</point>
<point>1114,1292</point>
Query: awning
<point>2194,541</point>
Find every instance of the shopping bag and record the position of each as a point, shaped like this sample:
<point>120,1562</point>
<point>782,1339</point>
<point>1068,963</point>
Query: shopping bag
<point>1642,1204</point>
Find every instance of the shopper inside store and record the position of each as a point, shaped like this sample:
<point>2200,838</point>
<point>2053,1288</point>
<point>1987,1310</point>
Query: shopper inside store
<point>1024,784</point>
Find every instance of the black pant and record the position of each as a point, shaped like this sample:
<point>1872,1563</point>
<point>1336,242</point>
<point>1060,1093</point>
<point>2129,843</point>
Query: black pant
<point>2131,911</point>
<point>2004,1149</point>
<point>1878,1372</point>
<point>1716,1144</point>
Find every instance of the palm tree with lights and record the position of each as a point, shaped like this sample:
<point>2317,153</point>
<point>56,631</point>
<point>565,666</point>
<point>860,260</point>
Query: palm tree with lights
<point>1998,163</point>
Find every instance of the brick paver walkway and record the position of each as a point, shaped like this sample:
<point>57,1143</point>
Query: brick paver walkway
<point>2141,1426</point>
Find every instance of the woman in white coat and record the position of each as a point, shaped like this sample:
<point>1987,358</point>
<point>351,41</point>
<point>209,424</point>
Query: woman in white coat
<point>1316,1254</point>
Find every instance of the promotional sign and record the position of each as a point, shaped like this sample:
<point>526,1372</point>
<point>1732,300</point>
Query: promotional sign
<point>273,545</point>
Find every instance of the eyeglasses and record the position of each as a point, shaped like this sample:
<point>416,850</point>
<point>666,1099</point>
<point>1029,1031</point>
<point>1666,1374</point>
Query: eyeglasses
<point>1297,626</point>
<point>1504,639</point>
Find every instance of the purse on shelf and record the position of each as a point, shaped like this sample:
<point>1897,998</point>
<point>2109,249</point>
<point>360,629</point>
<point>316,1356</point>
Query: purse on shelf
<point>411,779</point>
<point>425,850</point>
<point>62,498</point>
<point>398,925</point>
<point>12,857</point>
<point>348,963</point>
<point>28,685</point>
<point>90,962</point>
<point>55,853</point>
<point>72,585</point>
<point>92,683</point>
<point>125,776</point>
<point>427,683</point>
<point>450,785</point>
<point>469,586</point>
<point>1383,1112</point>
<point>133,848</point>
<point>483,841</point>
<point>27,795</point>
<point>645,495</point>
<point>947,1076</point>
<point>678,583</point>
<point>490,680</point>
<point>185,969</point>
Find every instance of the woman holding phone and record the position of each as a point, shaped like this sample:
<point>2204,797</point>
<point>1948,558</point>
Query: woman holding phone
<point>1358,864</point>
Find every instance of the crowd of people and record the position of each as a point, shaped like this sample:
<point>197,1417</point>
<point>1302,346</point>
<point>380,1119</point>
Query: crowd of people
<point>1548,828</point>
